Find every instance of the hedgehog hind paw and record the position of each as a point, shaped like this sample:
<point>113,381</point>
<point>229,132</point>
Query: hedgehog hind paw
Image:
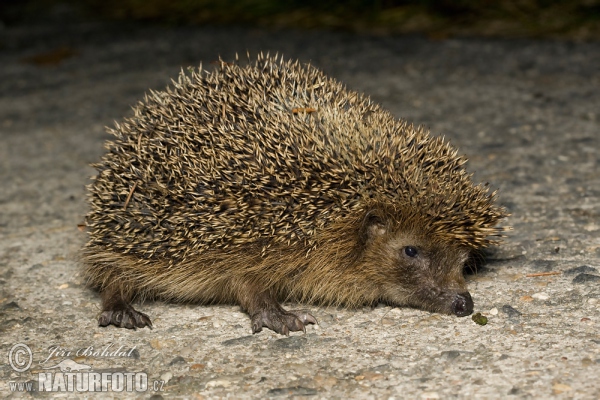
<point>128,318</point>
<point>282,321</point>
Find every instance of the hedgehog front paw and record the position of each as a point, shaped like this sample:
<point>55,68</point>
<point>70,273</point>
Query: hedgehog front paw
<point>128,318</point>
<point>282,321</point>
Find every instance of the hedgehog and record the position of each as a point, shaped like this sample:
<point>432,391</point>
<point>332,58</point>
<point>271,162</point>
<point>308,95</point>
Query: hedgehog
<point>266,182</point>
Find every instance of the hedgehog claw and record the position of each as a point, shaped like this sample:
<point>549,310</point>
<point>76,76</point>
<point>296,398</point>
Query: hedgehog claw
<point>282,321</point>
<point>304,316</point>
<point>125,318</point>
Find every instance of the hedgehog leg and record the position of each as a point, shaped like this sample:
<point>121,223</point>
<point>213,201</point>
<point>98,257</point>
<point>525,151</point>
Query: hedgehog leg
<point>265,312</point>
<point>117,311</point>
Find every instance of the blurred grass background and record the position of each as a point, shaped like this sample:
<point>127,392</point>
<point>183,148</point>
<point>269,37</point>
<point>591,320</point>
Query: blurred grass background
<point>570,19</point>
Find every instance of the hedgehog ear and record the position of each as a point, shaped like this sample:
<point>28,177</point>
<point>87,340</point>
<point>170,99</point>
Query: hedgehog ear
<point>373,225</point>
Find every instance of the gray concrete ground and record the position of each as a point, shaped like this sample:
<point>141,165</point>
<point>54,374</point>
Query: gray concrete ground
<point>526,113</point>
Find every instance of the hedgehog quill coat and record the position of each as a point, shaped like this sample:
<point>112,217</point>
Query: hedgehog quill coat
<point>270,182</point>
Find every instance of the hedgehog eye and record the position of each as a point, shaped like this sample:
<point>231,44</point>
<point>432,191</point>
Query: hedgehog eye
<point>410,251</point>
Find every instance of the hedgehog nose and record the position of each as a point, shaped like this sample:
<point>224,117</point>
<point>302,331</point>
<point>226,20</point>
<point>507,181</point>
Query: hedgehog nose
<point>462,304</point>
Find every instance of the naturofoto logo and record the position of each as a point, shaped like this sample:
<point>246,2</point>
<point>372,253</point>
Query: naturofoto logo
<point>68,375</point>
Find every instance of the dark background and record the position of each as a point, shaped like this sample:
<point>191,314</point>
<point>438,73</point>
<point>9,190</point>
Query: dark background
<point>564,19</point>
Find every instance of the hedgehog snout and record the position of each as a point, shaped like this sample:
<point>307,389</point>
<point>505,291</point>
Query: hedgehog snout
<point>462,305</point>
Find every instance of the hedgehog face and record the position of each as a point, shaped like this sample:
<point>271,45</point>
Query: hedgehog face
<point>420,271</point>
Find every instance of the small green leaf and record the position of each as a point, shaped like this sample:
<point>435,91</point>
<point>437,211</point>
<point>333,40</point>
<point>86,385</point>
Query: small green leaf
<point>479,319</point>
